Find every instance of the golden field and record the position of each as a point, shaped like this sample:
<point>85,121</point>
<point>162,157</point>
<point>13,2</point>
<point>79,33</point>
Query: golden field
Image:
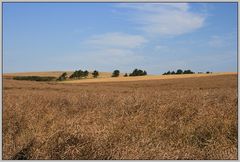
<point>107,78</point>
<point>190,117</point>
<point>54,74</point>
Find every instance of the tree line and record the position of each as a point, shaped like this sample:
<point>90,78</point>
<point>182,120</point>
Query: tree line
<point>180,71</point>
<point>79,74</point>
<point>136,72</point>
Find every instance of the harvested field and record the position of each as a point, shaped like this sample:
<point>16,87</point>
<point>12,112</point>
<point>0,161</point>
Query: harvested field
<point>183,118</point>
<point>50,73</point>
<point>141,78</point>
<point>53,74</point>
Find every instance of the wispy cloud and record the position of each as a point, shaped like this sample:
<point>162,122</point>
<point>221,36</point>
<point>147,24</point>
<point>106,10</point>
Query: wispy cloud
<point>116,40</point>
<point>111,50</point>
<point>166,18</point>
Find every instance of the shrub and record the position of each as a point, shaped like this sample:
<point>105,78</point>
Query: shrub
<point>35,78</point>
<point>125,75</point>
<point>115,73</point>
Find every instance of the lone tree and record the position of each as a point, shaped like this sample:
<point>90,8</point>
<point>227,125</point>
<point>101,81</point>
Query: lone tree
<point>125,75</point>
<point>95,73</point>
<point>115,73</point>
<point>144,72</point>
<point>62,77</point>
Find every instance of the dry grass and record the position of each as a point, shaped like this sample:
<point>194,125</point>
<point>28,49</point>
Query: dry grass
<point>188,118</point>
<point>53,74</point>
<point>107,78</point>
<point>50,73</point>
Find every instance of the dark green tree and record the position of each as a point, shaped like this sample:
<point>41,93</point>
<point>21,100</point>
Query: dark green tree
<point>95,74</point>
<point>168,73</point>
<point>179,71</point>
<point>138,72</point>
<point>144,72</point>
<point>125,75</point>
<point>115,73</point>
<point>188,72</point>
<point>62,77</point>
<point>85,73</point>
<point>135,72</point>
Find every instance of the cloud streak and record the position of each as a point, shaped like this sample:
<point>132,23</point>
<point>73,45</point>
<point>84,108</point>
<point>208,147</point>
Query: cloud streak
<point>112,50</point>
<point>168,19</point>
<point>116,40</point>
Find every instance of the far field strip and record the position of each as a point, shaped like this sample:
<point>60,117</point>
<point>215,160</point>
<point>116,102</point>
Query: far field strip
<point>142,78</point>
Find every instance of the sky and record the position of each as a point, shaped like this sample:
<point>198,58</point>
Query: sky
<point>155,37</point>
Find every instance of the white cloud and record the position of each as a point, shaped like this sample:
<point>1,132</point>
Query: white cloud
<point>116,40</point>
<point>155,7</point>
<point>166,18</point>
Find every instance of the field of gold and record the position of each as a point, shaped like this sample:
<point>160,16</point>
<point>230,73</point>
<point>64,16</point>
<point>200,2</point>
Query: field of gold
<point>54,74</point>
<point>183,118</point>
<point>107,78</point>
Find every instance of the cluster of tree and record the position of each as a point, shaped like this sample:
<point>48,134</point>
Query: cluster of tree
<point>79,74</point>
<point>179,71</point>
<point>138,72</point>
<point>35,78</point>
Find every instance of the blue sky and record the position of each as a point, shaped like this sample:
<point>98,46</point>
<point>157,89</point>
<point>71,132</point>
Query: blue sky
<point>156,37</point>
